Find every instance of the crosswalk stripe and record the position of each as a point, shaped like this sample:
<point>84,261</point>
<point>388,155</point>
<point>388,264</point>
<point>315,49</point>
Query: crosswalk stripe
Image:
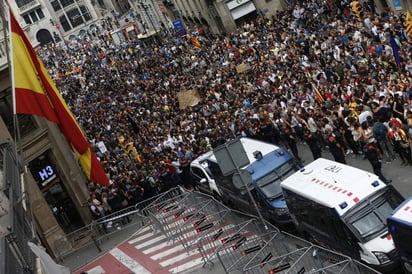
<point>140,238</point>
<point>128,262</point>
<point>159,238</point>
<point>178,258</point>
<point>186,266</point>
<point>156,247</point>
<point>169,251</point>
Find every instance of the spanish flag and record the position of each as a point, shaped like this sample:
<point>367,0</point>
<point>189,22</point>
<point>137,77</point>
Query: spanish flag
<point>35,93</point>
<point>409,24</point>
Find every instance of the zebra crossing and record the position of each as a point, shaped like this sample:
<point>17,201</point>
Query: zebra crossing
<point>150,251</point>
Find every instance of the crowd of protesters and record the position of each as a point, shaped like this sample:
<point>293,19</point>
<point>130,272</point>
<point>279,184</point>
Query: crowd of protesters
<point>131,91</point>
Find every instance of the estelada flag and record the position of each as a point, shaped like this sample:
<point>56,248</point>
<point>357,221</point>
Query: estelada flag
<point>195,42</point>
<point>318,96</point>
<point>35,93</point>
<point>409,24</point>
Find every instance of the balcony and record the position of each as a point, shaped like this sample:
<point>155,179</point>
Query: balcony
<point>31,5</point>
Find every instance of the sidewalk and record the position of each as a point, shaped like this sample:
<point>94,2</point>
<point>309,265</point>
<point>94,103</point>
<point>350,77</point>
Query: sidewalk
<point>89,253</point>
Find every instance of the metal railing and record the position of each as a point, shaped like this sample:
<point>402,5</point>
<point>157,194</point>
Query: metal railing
<point>240,242</point>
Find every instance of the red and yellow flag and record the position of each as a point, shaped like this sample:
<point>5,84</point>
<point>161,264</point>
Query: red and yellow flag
<point>409,24</point>
<point>318,96</point>
<point>36,94</point>
<point>195,42</point>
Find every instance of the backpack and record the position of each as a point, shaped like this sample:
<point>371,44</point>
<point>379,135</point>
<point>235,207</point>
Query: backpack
<point>379,131</point>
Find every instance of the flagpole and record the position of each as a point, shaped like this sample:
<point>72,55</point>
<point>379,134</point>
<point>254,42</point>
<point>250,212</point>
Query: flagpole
<point>17,138</point>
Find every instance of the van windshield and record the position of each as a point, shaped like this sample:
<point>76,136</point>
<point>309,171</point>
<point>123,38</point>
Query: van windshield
<point>373,221</point>
<point>370,219</point>
<point>270,183</point>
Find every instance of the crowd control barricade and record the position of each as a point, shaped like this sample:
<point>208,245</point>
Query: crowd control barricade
<point>237,249</point>
<point>317,259</point>
<point>276,254</point>
<point>161,209</point>
<point>187,217</point>
<point>101,229</point>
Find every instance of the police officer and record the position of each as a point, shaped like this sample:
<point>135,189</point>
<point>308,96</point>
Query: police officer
<point>313,144</point>
<point>374,155</point>
<point>335,147</point>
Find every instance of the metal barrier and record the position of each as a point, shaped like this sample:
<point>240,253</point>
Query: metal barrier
<point>15,253</point>
<point>187,217</point>
<point>240,247</point>
<point>277,254</point>
<point>240,242</point>
<point>106,227</point>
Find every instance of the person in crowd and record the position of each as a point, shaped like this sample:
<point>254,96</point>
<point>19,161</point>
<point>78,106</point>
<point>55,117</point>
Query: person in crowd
<point>380,133</point>
<point>374,155</point>
<point>401,143</point>
<point>311,65</point>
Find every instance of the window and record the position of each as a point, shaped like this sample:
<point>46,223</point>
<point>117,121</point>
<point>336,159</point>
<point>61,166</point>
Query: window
<point>75,17</point>
<point>373,221</point>
<point>66,3</point>
<point>85,13</point>
<point>40,13</point>
<point>21,3</point>
<point>56,5</point>
<point>198,173</point>
<point>27,19</point>
<point>369,220</point>
<point>33,16</point>
<point>64,23</point>
<point>218,175</point>
<point>270,183</point>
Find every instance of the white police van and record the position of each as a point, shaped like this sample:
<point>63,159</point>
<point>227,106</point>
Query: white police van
<point>345,209</point>
<point>269,165</point>
<point>400,227</point>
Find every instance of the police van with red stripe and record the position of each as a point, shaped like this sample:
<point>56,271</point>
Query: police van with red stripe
<point>400,227</point>
<point>345,209</point>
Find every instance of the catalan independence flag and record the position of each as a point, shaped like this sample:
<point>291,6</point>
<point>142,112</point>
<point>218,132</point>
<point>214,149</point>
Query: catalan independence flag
<point>409,24</point>
<point>35,93</point>
<point>195,42</point>
<point>318,96</point>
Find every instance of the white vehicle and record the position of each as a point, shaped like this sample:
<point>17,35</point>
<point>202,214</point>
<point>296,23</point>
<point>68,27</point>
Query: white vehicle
<point>344,208</point>
<point>269,165</point>
<point>400,227</point>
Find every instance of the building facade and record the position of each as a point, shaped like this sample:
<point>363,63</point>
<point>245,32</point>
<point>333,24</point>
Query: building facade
<point>55,186</point>
<point>224,16</point>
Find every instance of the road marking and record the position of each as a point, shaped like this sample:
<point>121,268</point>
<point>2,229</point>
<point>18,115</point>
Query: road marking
<point>96,270</point>
<point>167,252</point>
<point>159,238</point>
<point>186,266</point>
<point>128,262</point>
<point>178,258</point>
<point>140,238</point>
<point>155,248</point>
